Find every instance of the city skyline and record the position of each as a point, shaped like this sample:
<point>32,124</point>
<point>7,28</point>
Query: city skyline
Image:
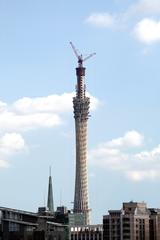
<point>37,86</point>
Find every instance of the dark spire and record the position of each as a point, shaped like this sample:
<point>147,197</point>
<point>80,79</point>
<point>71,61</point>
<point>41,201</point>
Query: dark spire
<point>50,204</point>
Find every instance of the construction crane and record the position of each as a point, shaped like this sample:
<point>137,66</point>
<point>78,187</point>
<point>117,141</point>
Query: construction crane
<point>80,57</point>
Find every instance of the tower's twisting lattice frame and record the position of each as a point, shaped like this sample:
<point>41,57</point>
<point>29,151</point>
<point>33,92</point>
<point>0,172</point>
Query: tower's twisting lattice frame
<point>81,114</point>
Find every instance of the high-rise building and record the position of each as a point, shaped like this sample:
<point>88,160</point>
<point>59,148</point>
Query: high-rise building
<point>81,114</point>
<point>132,222</point>
<point>154,223</point>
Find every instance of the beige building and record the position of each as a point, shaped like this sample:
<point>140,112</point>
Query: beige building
<point>90,232</point>
<point>132,222</point>
<point>154,223</point>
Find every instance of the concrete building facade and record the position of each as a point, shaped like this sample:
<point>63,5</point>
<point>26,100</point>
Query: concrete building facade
<point>16,224</point>
<point>91,232</point>
<point>22,225</point>
<point>132,222</point>
<point>154,224</point>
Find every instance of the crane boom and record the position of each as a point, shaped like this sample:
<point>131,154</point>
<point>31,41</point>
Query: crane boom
<point>74,49</point>
<point>80,57</point>
<point>91,55</point>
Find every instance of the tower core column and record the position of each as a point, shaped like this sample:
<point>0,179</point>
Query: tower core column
<point>81,114</point>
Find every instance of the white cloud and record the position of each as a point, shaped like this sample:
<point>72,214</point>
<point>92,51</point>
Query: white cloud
<point>104,20</point>
<point>10,143</point>
<point>11,121</point>
<point>108,158</point>
<point>149,156</point>
<point>2,106</point>
<point>147,31</point>
<point>138,9</point>
<point>51,104</point>
<point>130,139</point>
<point>94,102</point>
<point>122,155</point>
<point>143,8</point>
<point>41,112</point>
<point>138,17</point>
<point>27,114</point>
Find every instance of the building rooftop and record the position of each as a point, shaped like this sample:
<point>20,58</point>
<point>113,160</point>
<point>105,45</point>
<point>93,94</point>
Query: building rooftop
<point>18,211</point>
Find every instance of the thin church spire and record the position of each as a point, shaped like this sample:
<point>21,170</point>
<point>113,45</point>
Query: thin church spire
<point>50,203</point>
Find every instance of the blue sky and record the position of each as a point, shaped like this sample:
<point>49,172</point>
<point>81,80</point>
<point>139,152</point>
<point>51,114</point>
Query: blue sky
<point>37,79</point>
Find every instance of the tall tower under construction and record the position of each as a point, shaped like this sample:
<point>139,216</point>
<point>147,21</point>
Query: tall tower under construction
<point>81,114</point>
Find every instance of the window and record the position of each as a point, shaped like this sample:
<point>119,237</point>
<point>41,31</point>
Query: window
<point>13,227</point>
<point>29,228</point>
